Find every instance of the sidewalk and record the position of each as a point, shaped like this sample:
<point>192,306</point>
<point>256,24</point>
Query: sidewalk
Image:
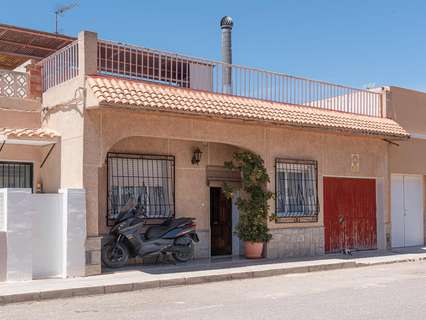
<point>156,276</point>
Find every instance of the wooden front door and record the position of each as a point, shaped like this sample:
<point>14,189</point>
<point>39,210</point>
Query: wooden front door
<point>349,214</point>
<point>220,223</point>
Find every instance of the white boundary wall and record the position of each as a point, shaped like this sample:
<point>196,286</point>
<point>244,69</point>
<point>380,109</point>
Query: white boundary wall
<point>47,244</point>
<point>42,235</point>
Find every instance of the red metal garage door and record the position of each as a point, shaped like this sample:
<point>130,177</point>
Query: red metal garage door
<point>349,214</point>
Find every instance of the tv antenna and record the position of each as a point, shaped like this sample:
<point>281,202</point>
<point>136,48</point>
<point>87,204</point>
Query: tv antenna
<point>60,10</point>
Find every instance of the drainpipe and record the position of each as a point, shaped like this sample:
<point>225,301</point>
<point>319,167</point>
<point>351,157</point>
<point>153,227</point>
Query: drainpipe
<point>226,25</point>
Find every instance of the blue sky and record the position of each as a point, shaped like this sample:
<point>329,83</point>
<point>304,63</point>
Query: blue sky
<point>357,42</point>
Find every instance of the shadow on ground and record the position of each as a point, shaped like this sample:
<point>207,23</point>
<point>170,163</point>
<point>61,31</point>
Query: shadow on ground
<point>161,266</point>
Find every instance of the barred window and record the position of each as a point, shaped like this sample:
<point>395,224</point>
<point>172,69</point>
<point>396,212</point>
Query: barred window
<point>147,178</point>
<point>16,174</point>
<point>296,189</point>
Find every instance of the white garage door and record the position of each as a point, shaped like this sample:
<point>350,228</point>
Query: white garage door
<point>407,211</point>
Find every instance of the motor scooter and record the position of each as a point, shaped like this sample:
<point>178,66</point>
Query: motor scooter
<point>131,238</point>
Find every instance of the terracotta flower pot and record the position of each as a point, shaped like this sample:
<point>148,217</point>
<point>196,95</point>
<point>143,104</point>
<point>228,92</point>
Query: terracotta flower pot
<point>253,250</point>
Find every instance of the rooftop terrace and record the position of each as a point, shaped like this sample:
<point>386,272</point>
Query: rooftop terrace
<point>171,69</point>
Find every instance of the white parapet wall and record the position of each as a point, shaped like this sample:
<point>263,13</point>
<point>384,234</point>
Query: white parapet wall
<point>42,235</point>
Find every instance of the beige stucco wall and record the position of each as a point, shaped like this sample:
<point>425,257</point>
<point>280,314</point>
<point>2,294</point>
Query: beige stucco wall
<point>408,157</point>
<point>408,108</point>
<point>64,113</point>
<point>19,113</point>
<point>108,129</point>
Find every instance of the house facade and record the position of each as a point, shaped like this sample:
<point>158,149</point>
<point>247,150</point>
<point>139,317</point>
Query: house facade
<point>128,121</point>
<point>407,168</point>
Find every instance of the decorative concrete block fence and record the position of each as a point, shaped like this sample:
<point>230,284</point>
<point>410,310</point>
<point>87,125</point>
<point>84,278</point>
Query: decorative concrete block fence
<point>42,235</point>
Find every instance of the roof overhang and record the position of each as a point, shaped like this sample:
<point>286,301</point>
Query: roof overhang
<point>28,142</point>
<point>29,137</point>
<point>134,95</point>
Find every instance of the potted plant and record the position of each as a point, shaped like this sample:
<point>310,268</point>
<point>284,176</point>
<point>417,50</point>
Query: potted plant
<point>252,203</point>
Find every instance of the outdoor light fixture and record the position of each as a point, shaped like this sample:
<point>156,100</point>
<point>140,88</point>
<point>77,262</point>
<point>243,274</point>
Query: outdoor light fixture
<point>196,157</point>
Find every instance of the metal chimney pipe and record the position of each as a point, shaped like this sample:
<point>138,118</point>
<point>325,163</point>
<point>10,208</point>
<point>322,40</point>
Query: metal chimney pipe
<point>226,25</point>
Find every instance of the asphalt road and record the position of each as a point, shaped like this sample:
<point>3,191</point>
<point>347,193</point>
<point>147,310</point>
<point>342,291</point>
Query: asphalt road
<point>388,292</point>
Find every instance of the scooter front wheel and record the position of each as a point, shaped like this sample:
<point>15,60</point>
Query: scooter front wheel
<point>188,251</point>
<point>115,255</point>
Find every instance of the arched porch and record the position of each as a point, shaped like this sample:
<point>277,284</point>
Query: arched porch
<point>162,171</point>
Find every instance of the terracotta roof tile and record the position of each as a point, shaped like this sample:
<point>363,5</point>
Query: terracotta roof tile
<point>144,95</point>
<point>25,133</point>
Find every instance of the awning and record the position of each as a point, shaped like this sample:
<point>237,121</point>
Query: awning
<point>26,136</point>
<point>17,45</point>
<point>218,175</point>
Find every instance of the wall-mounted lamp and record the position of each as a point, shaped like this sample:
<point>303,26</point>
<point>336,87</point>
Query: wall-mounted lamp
<point>196,157</point>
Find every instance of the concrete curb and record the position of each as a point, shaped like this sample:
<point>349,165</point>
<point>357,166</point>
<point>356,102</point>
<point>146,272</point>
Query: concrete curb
<point>384,262</point>
<point>190,280</point>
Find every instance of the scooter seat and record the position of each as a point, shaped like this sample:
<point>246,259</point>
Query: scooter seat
<point>159,230</point>
<point>156,231</point>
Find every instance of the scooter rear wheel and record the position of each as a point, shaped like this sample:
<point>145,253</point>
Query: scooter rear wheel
<point>115,255</point>
<point>185,255</point>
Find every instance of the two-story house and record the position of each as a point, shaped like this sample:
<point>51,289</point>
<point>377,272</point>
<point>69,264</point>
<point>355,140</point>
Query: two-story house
<point>128,120</point>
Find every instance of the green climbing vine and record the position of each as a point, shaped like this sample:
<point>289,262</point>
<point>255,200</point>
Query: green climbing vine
<point>253,201</point>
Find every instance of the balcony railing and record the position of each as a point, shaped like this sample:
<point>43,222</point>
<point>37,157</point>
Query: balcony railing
<point>60,66</point>
<point>13,84</point>
<point>132,62</point>
<point>140,63</point>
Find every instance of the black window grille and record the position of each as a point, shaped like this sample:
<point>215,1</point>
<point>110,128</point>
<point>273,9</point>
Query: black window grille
<point>296,183</point>
<point>147,178</point>
<point>16,174</point>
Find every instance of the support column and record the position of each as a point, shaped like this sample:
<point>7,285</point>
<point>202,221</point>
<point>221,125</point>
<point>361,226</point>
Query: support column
<point>88,48</point>
<point>34,80</point>
<point>94,180</point>
<point>87,53</point>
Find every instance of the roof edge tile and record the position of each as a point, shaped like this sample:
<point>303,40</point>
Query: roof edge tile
<point>156,97</point>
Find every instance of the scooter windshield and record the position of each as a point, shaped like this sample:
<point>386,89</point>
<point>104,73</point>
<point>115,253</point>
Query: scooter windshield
<point>130,204</point>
